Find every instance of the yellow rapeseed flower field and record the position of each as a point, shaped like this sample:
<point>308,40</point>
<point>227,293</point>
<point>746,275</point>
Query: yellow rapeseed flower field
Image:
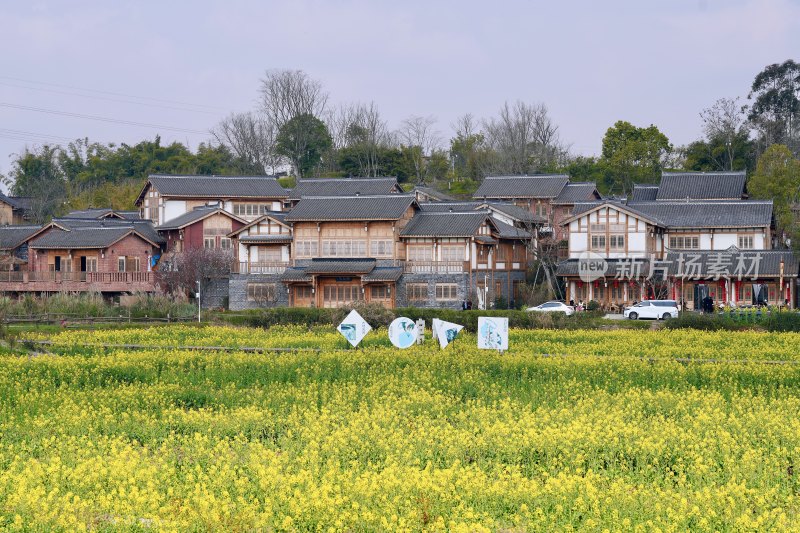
<point>617,436</point>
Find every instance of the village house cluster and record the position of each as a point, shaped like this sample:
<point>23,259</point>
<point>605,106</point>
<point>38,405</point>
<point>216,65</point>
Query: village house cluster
<point>331,242</point>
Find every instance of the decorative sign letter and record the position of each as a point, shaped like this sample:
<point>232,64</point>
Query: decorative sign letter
<point>402,332</point>
<point>445,332</point>
<point>354,328</point>
<point>493,333</point>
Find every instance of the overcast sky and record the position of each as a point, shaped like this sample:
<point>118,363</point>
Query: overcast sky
<point>592,63</point>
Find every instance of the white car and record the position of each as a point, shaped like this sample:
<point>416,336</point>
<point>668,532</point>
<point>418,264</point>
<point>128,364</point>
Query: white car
<point>658,309</point>
<point>553,307</point>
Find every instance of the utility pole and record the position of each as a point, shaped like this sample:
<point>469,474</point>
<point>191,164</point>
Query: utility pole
<point>198,301</point>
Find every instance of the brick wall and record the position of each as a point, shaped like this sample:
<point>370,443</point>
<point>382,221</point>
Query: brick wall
<point>237,292</point>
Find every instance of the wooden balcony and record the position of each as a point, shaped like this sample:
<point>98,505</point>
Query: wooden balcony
<point>435,267</point>
<point>261,267</point>
<point>49,281</point>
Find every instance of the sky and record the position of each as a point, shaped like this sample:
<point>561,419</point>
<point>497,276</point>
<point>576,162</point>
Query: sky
<point>175,69</point>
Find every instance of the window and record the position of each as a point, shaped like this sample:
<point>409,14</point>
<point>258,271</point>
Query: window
<point>269,254</point>
<point>453,253</point>
<point>91,264</point>
<point>302,292</point>
<point>209,242</point>
<point>598,242</point>
<point>684,242</point>
<point>225,243</point>
<point>745,242</point>
<point>339,295</point>
<point>540,209</point>
<point>597,228</point>
<point>416,292</point>
<point>379,292</point>
<point>250,210</point>
<point>121,264</point>
<point>381,248</point>
<point>419,252</point>
<point>137,264</point>
<point>617,242</point>
<point>305,248</point>
<point>261,292</point>
<point>344,248</point>
<point>617,292</point>
<point>446,292</point>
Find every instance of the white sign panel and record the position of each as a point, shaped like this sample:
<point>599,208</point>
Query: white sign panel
<point>493,333</point>
<point>403,332</point>
<point>354,328</point>
<point>445,332</point>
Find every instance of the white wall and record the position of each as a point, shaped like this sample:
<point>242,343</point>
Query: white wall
<point>173,208</point>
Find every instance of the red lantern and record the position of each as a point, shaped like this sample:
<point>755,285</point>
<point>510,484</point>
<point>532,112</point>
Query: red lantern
<point>616,283</point>
<point>580,284</point>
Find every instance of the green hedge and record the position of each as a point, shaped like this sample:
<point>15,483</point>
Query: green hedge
<point>768,320</point>
<point>378,316</point>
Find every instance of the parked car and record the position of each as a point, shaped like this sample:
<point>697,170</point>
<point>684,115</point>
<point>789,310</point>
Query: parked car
<point>553,307</point>
<point>657,309</point>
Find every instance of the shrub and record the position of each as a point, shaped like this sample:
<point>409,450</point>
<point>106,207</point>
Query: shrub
<point>593,305</point>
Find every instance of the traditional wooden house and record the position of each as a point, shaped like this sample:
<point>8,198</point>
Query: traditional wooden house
<point>264,245</point>
<point>711,242</point>
<point>14,251</point>
<point>14,209</point>
<point>202,227</point>
<point>79,255</point>
<point>164,198</point>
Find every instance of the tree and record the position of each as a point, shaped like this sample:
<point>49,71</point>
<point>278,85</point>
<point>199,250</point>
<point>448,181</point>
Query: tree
<point>633,155</point>
<point>286,94</point>
<point>419,137</point>
<point>303,140</point>
<point>36,174</point>
<point>251,138</point>
<point>727,136</point>
<point>360,136</point>
<point>469,153</point>
<point>179,273</point>
<point>524,139</point>
<point>777,178</point>
<point>775,111</point>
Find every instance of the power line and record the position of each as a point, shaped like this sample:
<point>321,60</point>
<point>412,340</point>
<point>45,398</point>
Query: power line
<point>33,134</point>
<point>96,97</point>
<point>100,119</point>
<point>112,93</point>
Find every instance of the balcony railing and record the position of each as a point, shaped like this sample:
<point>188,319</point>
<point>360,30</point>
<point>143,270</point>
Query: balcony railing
<point>105,278</point>
<point>261,267</point>
<point>441,267</point>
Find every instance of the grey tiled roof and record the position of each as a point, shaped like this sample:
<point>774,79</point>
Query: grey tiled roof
<point>383,274</point>
<point>273,238</point>
<point>143,227</point>
<point>580,191</point>
<point>86,237</point>
<point>449,207</point>
<point>91,213</point>
<point>345,187</point>
<point>332,208</point>
<point>217,186</point>
<point>516,212</point>
<point>622,269</point>
<point>768,263</point>
<point>537,186</point>
<point>193,216</point>
<point>462,224</point>
<point>340,266</point>
<point>295,274</point>
<point>644,193</point>
<point>12,236</point>
<point>129,215</point>
<point>702,185</point>
<point>433,193</point>
<point>697,214</point>
<point>507,231</point>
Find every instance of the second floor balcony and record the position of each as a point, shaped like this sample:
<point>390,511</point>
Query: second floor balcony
<point>440,267</point>
<point>261,267</point>
<point>57,281</point>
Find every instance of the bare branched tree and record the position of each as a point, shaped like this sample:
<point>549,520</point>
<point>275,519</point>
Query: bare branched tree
<point>179,273</point>
<point>466,125</point>
<point>286,94</point>
<point>725,120</point>
<point>524,137</point>
<point>360,129</point>
<point>420,135</point>
<point>251,137</point>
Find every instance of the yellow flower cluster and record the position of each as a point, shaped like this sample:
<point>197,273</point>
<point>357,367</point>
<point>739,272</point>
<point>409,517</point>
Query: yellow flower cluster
<point>416,440</point>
